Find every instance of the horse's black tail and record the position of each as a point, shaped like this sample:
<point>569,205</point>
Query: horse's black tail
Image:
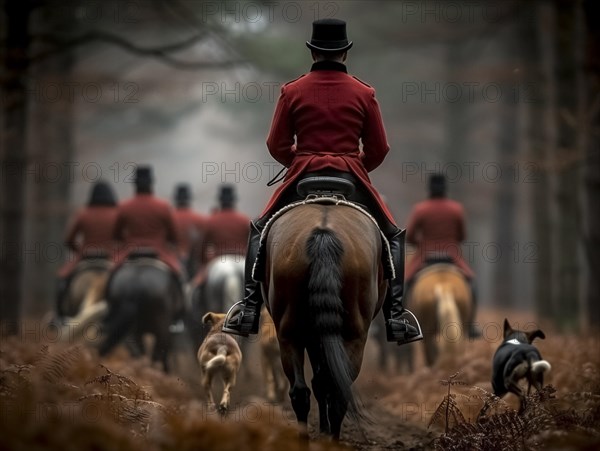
<point>326,313</point>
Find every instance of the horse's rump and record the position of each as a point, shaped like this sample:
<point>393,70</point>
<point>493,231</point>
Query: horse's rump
<point>143,295</point>
<point>441,298</point>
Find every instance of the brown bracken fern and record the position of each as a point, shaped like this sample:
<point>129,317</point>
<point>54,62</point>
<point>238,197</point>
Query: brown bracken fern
<point>448,409</point>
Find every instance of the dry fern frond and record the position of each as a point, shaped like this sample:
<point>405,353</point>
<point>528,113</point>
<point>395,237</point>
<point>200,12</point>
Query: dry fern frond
<point>54,368</point>
<point>119,383</point>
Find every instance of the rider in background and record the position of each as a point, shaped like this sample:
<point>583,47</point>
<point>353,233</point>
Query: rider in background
<point>146,223</point>
<point>319,123</point>
<point>190,227</point>
<point>226,229</point>
<point>89,234</point>
<point>436,227</point>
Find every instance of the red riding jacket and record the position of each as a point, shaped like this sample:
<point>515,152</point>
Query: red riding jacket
<point>329,113</point>
<point>90,230</point>
<point>190,229</point>
<point>226,233</point>
<point>436,226</point>
<point>146,221</point>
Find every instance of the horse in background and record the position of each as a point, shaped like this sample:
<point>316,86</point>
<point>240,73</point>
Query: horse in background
<point>441,298</point>
<point>391,357</point>
<point>83,301</point>
<point>323,286</point>
<point>219,287</point>
<point>143,297</point>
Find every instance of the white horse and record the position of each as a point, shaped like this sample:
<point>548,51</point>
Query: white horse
<point>222,287</point>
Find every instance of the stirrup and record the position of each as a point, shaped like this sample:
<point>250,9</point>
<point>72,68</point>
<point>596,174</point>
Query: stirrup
<point>408,318</point>
<point>233,320</point>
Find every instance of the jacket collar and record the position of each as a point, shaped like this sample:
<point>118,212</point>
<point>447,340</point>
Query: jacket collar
<point>329,65</point>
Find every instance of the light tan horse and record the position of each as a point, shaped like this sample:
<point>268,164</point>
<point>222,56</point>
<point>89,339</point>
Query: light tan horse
<point>441,299</point>
<point>83,304</point>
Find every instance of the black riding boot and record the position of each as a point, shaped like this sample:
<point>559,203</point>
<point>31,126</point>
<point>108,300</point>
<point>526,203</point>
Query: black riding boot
<point>397,319</point>
<point>243,317</point>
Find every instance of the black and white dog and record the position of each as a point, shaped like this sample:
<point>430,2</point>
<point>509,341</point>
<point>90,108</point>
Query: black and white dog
<point>516,359</point>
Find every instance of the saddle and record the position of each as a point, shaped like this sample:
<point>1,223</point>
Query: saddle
<point>146,256</point>
<point>94,254</point>
<point>143,252</point>
<point>432,259</point>
<point>94,260</point>
<point>318,185</point>
<point>438,261</point>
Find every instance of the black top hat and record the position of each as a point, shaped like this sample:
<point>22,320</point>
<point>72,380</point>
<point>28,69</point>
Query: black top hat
<point>102,194</point>
<point>143,175</point>
<point>183,194</point>
<point>227,194</point>
<point>437,185</point>
<point>329,35</point>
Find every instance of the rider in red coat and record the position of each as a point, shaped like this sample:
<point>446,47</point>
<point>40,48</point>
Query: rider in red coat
<point>436,227</point>
<point>89,233</point>
<point>190,227</point>
<point>147,222</point>
<point>319,123</point>
<point>226,229</point>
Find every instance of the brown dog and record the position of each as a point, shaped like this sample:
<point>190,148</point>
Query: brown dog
<point>219,355</point>
<point>518,359</point>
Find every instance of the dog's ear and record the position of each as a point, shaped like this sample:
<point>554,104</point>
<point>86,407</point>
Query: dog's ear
<point>535,334</point>
<point>208,318</point>
<point>507,329</point>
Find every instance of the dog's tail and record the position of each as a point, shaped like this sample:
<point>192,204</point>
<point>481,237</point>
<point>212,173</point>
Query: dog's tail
<point>219,359</point>
<point>540,366</point>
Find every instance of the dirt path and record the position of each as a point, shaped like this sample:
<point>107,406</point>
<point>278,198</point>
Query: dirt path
<point>388,430</point>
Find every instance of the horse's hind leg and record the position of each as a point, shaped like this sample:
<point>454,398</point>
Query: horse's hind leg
<point>337,411</point>
<point>292,358</point>
<point>118,323</point>
<point>321,388</point>
<point>162,347</point>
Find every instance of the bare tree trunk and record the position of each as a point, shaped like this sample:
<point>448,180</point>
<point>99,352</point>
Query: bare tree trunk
<point>569,160</point>
<point>505,202</point>
<point>540,78</point>
<point>50,151</point>
<point>592,163</point>
<point>13,162</point>
<point>50,148</point>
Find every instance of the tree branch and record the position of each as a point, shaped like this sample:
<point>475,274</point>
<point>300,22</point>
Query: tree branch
<point>62,44</point>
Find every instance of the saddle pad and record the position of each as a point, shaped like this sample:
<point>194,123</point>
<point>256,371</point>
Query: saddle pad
<point>324,200</point>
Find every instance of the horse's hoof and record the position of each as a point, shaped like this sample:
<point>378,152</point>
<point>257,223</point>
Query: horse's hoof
<point>222,409</point>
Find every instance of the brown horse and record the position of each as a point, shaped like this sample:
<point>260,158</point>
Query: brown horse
<point>324,285</point>
<point>441,298</point>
